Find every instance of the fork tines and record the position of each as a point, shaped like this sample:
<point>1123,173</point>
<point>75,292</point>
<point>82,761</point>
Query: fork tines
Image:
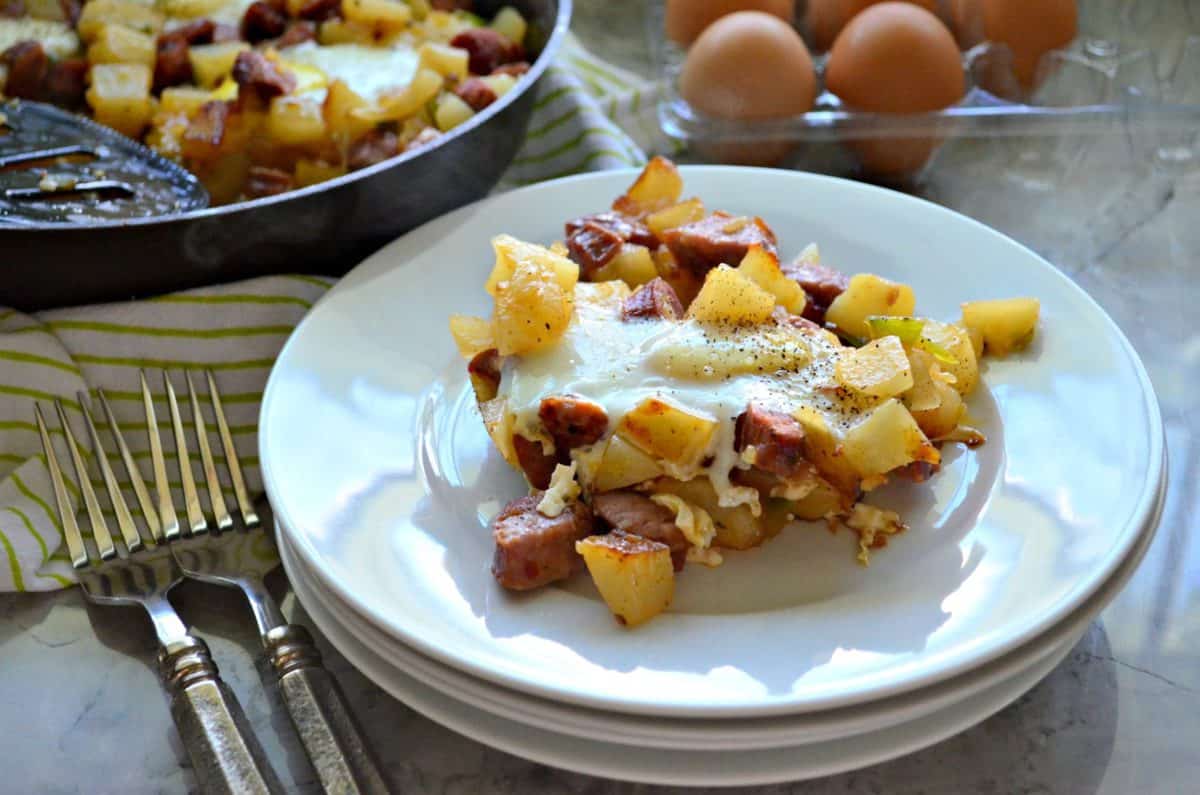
<point>161,520</point>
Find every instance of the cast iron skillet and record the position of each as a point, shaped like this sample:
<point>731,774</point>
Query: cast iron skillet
<point>325,228</point>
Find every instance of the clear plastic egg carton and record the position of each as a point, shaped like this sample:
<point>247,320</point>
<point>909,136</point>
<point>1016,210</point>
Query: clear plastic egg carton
<point>1133,71</point>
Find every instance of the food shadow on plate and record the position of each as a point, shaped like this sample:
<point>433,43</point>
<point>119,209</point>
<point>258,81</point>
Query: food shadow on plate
<point>804,566</point>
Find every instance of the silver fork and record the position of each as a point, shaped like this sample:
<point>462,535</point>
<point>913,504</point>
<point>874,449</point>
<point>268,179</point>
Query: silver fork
<point>224,752</point>
<point>233,551</point>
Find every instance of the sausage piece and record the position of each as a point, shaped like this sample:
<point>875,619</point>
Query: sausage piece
<point>476,93</point>
<point>258,77</point>
<point>718,239</point>
<point>320,10</point>
<point>66,83</point>
<point>593,246</point>
<point>628,229</point>
<point>820,282</point>
<point>537,465</point>
<point>488,49</point>
<point>27,66</point>
<point>484,370</point>
<point>372,147</point>
<point>653,300</point>
<point>515,69</point>
<point>572,421</point>
<point>776,440</point>
<point>533,550</point>
<point>172,66</point>
<point>263,21</point>
<point>638,515</point>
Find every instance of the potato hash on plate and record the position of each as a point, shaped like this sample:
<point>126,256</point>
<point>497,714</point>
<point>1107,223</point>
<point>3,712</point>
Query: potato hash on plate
<point>670,389</point>
<point>258,97</point>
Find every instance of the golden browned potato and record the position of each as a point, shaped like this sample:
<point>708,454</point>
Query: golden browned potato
<point>736,528</point>
<point>632,265</point>
<point>869,295</point>
<point>657,187</point>
<point>385,16</point>
<point>141,17</point>
<point>340,101</point>
<point>878,369</point>
<point>119,44</point>
<point>472,334</point>
<point>120,97</point>
<point>668,431</point>
<point>633,574</point>
<point>1004,324</point>
<point>762,267</point>
<point>729,296</point>
<point>956,341</point>
<point>887,439</point>
<point>676,215</point>
<point>296,121</point>
<point>622,465</point>
<point>212,63</point>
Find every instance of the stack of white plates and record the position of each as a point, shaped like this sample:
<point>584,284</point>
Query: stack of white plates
<point>789,661</point>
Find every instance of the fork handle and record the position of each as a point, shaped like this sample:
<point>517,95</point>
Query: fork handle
<point>224,752</point>
<point>331,737</point>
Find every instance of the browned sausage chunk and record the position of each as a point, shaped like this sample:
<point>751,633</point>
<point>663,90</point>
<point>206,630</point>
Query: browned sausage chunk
<point>720,238</point>
<point>488,49</point>
<point>320,10</point>
<point>628,229</point>
<point>263,21</point>
<point>572,421</point>
<point>822,283</point>
<point>12,9</point>
<point>776,438</point>
<point>593,247</point>
<point>66,82</point>
<point>453,5</point>
<point>172,65</point>
<point>533,550</point>
<point>200,31</point>
<point>484,370</point>
<point>71,10</point>
<point>476,93</point>
<point>258,77</point>
<point>297,33</point>
<point>27,66</point>
<point>223,31</point>
<point>537,465</point>
<point>206,129</point>
<point>373,147</point>
<point>516,69</point>
<point>638,515</point>
<point>654,299</point>
<point>263,181</point>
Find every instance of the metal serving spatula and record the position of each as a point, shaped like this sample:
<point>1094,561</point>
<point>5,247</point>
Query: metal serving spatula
<point>59,168</point>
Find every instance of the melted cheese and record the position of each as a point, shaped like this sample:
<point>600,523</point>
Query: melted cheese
<point>711,370</point>
<point>369,71</point>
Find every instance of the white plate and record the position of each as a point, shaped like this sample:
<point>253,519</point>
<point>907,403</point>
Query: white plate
<point>378,466</point>
<point>670,766</point>
<point>714,735</point>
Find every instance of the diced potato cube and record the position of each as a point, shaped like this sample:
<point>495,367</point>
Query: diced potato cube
<point>510,252</point>
<point>534,303</point>
<point>500,84</point>
<point>311,172</point>
<point>825,451</point>
<point>120,97</point>
<point>737,527</point>
<point>447,61</point>
<point>133,15</point>
<point>398,105</point>
<point>632,265</point>
<point>656,188</point>
<point>451,111</point>
<point>762,267</point>
<point>212,63</point>
<point>887,439</point>
<point>341,31</point>
<point>878,369</point>
<point>940,419</point>
<point>472,334</point>
<point>384,15</point>
<point>668,431</point>
<point>499,421</point>
<point>976,342</point>
<point>119,44</point>
<point>295,121</point>
<point>957,342</point>
<point>685,283</point>
<point>730,297</point>
<point>509,23</point>
<point>188,9</point>
<point>1006,324</point>
<point>869,295</point>
<point>623,465</point>
<point>676,215</point>
<point>340,101</point>
<point>818,503</point>
<point>633,574</point>
<point>183,99</point>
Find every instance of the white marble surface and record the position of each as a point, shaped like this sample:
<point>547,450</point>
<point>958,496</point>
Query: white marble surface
<point>81,710</point>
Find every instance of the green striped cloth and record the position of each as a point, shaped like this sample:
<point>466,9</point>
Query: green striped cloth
<point>236,330</point>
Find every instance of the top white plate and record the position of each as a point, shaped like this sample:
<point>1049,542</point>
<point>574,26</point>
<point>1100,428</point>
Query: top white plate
<point>377,464</point>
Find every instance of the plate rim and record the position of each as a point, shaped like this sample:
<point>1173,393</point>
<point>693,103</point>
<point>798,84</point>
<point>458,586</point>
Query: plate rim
<point>968,656</point>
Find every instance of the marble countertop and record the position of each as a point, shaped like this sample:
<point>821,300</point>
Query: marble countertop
<point>81,709</point>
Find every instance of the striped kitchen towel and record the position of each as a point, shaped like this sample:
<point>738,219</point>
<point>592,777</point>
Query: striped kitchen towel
<point>236,330</point>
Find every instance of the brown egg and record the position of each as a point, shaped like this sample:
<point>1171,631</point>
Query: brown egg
<point>687,19</point>
<point>749,66</point>
<point>895,58</point>
<point>824,19</point>
<point>1030,30</point>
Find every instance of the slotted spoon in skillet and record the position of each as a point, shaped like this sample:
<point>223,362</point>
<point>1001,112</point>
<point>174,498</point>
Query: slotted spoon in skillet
<point>58,167</point>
